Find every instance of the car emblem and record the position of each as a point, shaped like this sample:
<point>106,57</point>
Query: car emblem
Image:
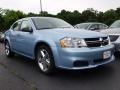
<point>101,40</point>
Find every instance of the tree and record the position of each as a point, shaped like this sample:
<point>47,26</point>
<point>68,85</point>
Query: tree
<point>89,15</point>
<point>109,16</point>
<point>71,17</point>
<point>11,16</point>
<point>46,14</point>
<point>8,17</point>
<point>118,13</point>
<point>1,20</point>
<point>31,14</point>
<point>65,15</point>
<point>100,17</point>
<point>75,17</point>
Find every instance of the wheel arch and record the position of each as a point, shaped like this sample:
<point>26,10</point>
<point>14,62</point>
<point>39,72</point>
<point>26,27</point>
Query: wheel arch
<point>39,44</point>
<point>7,40</point>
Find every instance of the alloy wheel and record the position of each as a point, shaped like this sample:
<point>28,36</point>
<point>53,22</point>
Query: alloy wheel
<point>7,49</point>
<point>44,60</point>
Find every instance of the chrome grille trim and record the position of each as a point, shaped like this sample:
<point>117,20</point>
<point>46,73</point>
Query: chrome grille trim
<point>97,42</point>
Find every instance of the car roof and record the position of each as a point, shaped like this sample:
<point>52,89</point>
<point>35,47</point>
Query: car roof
<point>91,23</point>
<point>33,18</point>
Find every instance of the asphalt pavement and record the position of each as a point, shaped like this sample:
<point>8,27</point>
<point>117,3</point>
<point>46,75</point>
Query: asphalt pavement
<point>20,73</point>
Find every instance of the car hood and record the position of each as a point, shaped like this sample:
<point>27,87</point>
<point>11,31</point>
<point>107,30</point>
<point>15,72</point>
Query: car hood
<point>71,32</point>
<point>111,31</point>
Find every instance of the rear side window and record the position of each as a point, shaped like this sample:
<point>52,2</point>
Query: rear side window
<point>102,26</point>
<point>16,26</point>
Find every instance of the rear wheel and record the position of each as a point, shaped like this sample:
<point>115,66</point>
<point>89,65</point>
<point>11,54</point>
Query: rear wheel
<point>8,51</point>
<point>45,59</point>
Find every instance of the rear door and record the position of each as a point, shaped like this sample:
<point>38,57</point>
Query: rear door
<point>15,30</point>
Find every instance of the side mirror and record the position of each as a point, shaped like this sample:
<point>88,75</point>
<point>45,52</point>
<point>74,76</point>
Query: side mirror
<point>27,29</point>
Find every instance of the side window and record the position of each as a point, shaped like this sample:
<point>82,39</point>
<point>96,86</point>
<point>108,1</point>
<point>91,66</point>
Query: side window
<point>102,26</point>
<point>94,27</point>
<point>25,25</point>
<point>16,26</point>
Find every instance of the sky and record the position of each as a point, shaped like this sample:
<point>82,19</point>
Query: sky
<point>55,6</point>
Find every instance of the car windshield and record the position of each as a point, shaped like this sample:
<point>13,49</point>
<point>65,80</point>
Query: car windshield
<point>50,23</point>
<point>116,24</point>
<point>83,26</point>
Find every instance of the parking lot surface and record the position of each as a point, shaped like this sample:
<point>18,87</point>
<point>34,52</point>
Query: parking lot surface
<point>20,73</point>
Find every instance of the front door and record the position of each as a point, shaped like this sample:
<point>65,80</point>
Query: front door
<point>26,38</point>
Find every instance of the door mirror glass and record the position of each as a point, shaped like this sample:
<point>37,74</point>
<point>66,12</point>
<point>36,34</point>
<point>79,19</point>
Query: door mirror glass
<point>27,29</point>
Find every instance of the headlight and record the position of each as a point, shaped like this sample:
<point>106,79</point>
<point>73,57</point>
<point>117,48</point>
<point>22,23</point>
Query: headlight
<point>72,42</point>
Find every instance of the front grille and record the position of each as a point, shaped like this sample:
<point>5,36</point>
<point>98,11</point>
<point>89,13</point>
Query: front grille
<point>113,37</point>
<point>97,42</point>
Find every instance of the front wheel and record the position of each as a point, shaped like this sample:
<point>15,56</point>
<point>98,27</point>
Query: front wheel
<point>45,59</point>
<point>8,51</point>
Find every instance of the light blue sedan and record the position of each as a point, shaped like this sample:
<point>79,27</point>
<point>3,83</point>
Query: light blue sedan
<point>54,43</point>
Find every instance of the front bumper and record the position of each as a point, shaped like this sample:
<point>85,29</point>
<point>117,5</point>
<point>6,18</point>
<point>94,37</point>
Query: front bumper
<point>82,58</point>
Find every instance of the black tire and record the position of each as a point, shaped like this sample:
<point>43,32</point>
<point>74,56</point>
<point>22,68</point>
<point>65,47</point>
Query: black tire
<point>45,60</point>
<point>8,51</point>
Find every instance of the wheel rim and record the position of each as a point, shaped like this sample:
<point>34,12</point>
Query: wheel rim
<point>44,60</point>
<point>7,49</point>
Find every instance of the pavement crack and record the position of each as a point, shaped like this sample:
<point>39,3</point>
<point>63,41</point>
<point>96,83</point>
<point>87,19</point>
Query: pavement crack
<point>32,86</point>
